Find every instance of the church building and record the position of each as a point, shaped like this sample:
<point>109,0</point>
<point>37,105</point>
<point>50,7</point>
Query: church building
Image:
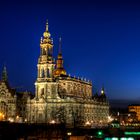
<point>61,98</point>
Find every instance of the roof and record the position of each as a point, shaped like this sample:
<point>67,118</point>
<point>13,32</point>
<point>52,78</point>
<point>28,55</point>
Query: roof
<point>11,90</point>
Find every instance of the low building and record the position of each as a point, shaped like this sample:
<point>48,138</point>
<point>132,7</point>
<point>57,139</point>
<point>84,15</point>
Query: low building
<point>123,117</point>
<point>135,108</point>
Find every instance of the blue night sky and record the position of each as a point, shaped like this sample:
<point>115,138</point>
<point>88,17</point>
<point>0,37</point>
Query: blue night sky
<point>100,41</point>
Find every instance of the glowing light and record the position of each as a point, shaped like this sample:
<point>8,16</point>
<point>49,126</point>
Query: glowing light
<point>107,138</point>
<point>69,133</point>
<point>110,119</point>
<point>87,123</point>
<point>123,138</point>
<point>11,120</point>
<point>2,116</point>
<point>53,122</point>
<point>100,133</point>
<point>115,138</point>
<point>132,133</point>
<point>130,139</point>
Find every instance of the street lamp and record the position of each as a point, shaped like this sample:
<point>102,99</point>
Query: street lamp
<point>87,123</point>
<point>69,133</point>
<point>52,122</point>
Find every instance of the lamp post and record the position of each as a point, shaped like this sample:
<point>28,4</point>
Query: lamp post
<point>68,135</point>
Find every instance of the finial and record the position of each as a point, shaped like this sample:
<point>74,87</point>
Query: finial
<point>47,25</point>
<point>4,74</point>
<point>60,45</point>
<point>46,33</point>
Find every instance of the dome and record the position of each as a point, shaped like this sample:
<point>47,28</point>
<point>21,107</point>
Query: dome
<point>46,34</point>
<point>58,72</point>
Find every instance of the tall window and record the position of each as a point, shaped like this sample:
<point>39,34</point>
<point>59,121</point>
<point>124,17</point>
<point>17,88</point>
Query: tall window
<point>48,73</point>
<point>42,91</point>
<point>42,73</point>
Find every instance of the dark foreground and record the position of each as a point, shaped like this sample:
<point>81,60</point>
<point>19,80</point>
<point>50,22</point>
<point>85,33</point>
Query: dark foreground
<point>16,131</point>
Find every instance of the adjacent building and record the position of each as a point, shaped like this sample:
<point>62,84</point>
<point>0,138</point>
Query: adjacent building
<point>12,103</point>
<point>7,99</point>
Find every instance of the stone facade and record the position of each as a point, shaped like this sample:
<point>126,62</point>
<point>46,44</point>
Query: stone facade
<point>61,98</point>
<point>7,99</point>
<point>7,102</point>
<point>12,103</point>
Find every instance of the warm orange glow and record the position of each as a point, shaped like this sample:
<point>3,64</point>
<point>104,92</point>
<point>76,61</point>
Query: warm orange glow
<point>58,72</point>
<point>2,116</point>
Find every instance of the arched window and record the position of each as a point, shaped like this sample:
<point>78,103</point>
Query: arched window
<point>43,51</point>
<point>42,91</point>
<point>42,73</point>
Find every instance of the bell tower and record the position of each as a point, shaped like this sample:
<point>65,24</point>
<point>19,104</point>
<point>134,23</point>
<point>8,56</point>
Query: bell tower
<point>45,65</point>
<point>45,62</point>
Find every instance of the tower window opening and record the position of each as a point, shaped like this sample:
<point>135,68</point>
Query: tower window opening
<point>42,91</point>
<point>44,51</point>
<point>42,73</point>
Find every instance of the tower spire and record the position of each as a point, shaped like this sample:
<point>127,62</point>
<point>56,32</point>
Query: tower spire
<point>103,95</point>
<point>47,25</point>
<point>60,45</point>
<point>47,33</point>
<point>59,63</point>
<point>4,74</point>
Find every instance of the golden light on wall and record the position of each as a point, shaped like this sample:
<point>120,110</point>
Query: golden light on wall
<point>2,116</point>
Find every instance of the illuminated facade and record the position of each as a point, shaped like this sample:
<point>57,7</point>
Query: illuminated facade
<point>12,103</point>
<point>7,99</point>
<point>61,98</point>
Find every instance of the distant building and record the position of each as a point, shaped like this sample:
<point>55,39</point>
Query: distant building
<point>12,103</point>
<point>7,99</point>
<point>136,109</point>
<point>123,117</point>
<point>60,97</point>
